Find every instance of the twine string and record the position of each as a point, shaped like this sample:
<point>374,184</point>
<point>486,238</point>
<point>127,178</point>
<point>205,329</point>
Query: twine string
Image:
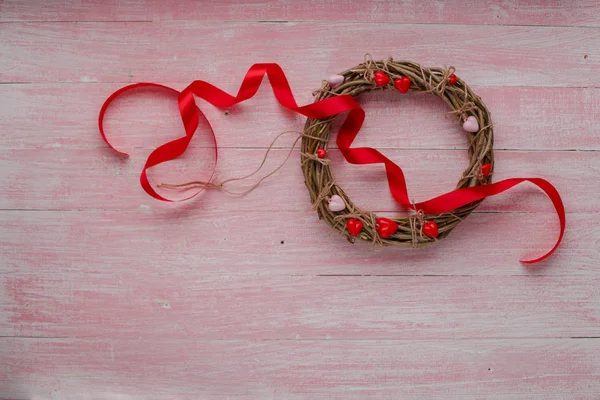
<point>323,194</point>
<point>462,112</point>
<point>313,157</point>
<point>322,89</point>
<point>416,230</point>
<point>444,80</point>
<point>385,65</point>
<point>220,186</point>
<point>377,241</point>
<point>369,66</point>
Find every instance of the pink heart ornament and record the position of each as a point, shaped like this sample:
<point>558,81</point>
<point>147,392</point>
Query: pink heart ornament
<point>335,81</point>
<point>336,203</point>
<point>471,125</point>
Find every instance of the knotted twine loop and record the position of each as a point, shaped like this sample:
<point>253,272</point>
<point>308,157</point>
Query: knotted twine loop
<point>369,67</point>
<point>440,86</point>
<point>313,157</point>
<point>323,194</point>
<point>367,218</point>
<point>324,89</point>
<point>415,229</point>
<point>462,112</point>
<point>354,213</point>
<point>477,172</point>
<point>377,241</point>
<point>444,80</point>
<point>386,63</point>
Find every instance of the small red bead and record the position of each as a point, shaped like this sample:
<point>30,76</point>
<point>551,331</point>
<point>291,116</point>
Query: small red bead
<point>381,79</point>
<point>402,84</point>
<point>321,152</point>
<point>354,226</point>
<point>385,227</point>
<point>452,79</point>
<point>486,169</point>
<point>430,229</point>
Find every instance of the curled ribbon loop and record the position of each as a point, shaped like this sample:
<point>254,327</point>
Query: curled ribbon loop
<point>191,115</point>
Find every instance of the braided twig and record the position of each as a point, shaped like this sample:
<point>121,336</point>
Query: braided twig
<point>462,103</point>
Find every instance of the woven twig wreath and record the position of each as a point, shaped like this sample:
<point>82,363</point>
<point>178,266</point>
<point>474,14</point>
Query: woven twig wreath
<point>329,199</point>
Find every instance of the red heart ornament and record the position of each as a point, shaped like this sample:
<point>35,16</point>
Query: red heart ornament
<point>381,79</point>
<point>486,169</point>
<point>430,229</point>
<point>354,226</point>
<point>321,152</point>
<point>385,227</point>
<point>402,84</point>
<point>452,79</point>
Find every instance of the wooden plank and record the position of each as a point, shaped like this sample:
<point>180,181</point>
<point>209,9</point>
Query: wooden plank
<point>174,299</point>
<point>488,12</point>
<point>163,51</point>
<point>432,369</point>
<point>278,242</point>
<point>107,293</point>
<point>525,118</point>
<point>66,179</point>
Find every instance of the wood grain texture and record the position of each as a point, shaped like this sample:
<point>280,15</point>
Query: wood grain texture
<point>487,12</point>
<point>107,293</point>
<point>172,302</point>
<point>185,50</point>
<point>50,181</point>
<point>246,243</point>
<point>334,369</point>
<point>525,118</point>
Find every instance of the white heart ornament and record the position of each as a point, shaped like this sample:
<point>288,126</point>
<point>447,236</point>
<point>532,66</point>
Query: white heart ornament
<point>471,125</point>
<point>336,203</point>
<point>335,81</point>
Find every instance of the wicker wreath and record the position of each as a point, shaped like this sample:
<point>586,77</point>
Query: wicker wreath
<point>329,199</point>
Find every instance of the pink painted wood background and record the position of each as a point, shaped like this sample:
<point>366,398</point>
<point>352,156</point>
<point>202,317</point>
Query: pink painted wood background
<point>106,293</point>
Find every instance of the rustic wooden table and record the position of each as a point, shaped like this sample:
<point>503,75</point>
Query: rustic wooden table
<point>107,293</point>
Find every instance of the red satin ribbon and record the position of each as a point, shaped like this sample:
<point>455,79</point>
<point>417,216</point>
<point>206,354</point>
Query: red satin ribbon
<point>191,114</point>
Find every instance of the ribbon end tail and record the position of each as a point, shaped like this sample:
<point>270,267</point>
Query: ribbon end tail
<point>531,262</point>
